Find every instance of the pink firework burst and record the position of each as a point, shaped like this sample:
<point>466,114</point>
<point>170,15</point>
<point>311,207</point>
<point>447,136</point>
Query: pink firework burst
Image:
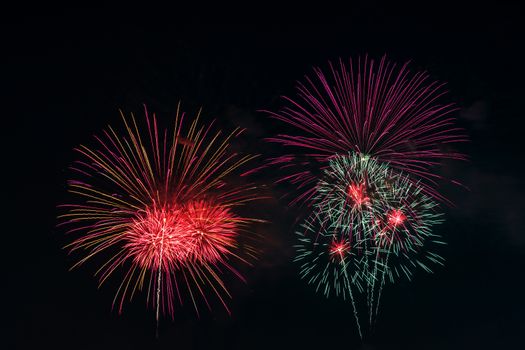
<point>162,207</point>
<point>373,108</point>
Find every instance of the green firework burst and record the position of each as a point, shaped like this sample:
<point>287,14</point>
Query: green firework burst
<point>369,224</point>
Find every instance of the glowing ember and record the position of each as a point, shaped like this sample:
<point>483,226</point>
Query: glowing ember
<point>357,194</point>
<point>339,248</point>
<point>396,217</point>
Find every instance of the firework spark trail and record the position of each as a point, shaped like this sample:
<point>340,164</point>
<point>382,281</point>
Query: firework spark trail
<point>372,286</point>
<point>352,298</point>
<point>159,283</point>
<point>382,283</point>
<point>162,207</point>
<point>385,268</point>
<point>371,314</point>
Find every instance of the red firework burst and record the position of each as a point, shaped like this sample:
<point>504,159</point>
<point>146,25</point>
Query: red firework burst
<point>158,238</point>
<point>213,227</point>
<point>161,207</point>
<point>396,217</point>
<point>357,195</point>
<point>339,248</point>
<point>375,109</point>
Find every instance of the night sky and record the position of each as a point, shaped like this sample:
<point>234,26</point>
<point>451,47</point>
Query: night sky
<point>69,71</point>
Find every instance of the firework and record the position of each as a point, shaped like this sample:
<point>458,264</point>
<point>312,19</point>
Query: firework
<point>369,138</point>
<point>161,207</point>
<point>369,224</point>
<point>372,108</point>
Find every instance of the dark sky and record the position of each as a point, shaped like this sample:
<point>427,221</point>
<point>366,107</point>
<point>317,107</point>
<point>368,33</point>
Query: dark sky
<point>68,72</point>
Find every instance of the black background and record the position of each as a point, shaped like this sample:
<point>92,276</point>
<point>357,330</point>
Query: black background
<point>69,71</point>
